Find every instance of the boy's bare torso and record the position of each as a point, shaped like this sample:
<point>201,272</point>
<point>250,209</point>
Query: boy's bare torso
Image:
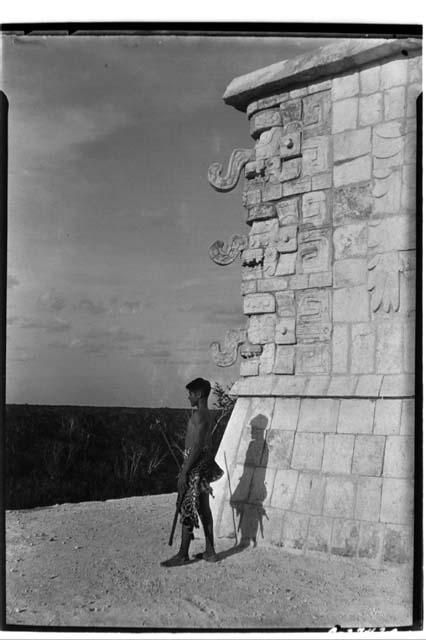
<point>199,429</point>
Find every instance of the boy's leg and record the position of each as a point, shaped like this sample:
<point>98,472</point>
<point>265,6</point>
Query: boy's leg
<point>207,522</point>
<point>182,555</point>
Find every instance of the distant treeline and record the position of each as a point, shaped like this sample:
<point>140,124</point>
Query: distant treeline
<point>56,454</point>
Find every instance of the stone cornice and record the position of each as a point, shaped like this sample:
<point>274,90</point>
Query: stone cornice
<point>314,66</point>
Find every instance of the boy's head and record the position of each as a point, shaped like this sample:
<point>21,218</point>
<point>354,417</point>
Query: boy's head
<point>198,388</point>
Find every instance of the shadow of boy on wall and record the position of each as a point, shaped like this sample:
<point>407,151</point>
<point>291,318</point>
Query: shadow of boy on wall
<point>251,485</point>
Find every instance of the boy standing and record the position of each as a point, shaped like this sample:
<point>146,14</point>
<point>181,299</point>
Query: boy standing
<point>198,470</point>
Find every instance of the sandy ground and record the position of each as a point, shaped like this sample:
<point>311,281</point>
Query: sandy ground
<point>97,564</point>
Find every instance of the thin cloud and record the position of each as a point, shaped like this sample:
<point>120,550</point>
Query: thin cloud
<point>92,307</point>
<point>54,325</point>
<point>51,301</point>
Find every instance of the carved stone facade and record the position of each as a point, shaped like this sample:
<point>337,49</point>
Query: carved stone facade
<point>326,388</point>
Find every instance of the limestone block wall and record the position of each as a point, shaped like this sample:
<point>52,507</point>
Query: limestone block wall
<point>320,447</point>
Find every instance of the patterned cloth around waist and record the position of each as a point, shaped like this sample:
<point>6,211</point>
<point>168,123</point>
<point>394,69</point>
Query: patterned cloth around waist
<point>204,471</point>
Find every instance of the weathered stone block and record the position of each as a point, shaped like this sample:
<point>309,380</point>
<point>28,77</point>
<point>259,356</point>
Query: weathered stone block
<point>264,120</point>
<point>295,530</point>
<point>273,284</point>
<point>249,367</point>
<point>368,385</point>
<point>397,501</point>
<point>318,414</point>
<point>286,306</point>
<point>398,544</point>
<point>248,286</point>
<point>408,417</point>
<point>370,540</point>
<point>339,497</point>
<point>415,69</point>
<point>286,414</point>
<point>395,103</point>
<point>273,528</point>
<point>261,212</point>
<point>356,416</point>
<point>345,86</point>
<point>261,329</point>
<point>351,144</point>
<point>363,345</point>
<point>413,92</point>
<point>399,457</point>
<point>338,451</point>
<point>284,360</point>
<point>319,534</point>
<point>393,73</point>
<point>324,279</point>
<point>388,145</point>
<point>389,347</point>
<point>313,358</point>
<point>288,385</point>
<point>287,239</point>
<point>368,497</point>
<point>391,234</point>
<point>313,315</point>
<point>286,264</point>
<point>259,303</point>
<point>284,488</point>
<point>342,386</point>
<point>410,151</point>
<point>356,170</point>
<point>408,189</point>
<point>350,272</point>
<point>314,250</point>
<point>350,240</point>
<point>295,187</point>
<point>321,181</point>
<point>316,113</point>
<point>290,170</point>
<point>387,416</point>
<point>345,113</point>
<point>299,281</point>
<point>265,226</point>
<point>317,385</point>
<point>271,192</point>
<point>316,155</point>
<point>285,332</point>
<point>262,485</point>
<point>309,495</point>
<point>370,109</point>
<point>340,346</point>
<point>307,451</point>
<point>396,385</point>
<point>268,143</point>
<point>291,111</point>
<point>351,304</point>
<point>344,541</point>
<point>387,193</point>
<point>251,272</point>
<point>370,80</point>
<point>368,455</point>
<point>315,211</point>
<point>251,196</point>
<point>267,359</point>
<point>240,482</point>
<point>409,329</point>
<point>288,211</point>
<point>352,203</point>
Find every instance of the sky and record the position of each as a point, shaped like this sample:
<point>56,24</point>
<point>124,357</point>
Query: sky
<point>112,299</point>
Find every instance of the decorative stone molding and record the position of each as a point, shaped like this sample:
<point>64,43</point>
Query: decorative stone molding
<point>224,254</point>
<point>239,158</point>
<point>227,355</point>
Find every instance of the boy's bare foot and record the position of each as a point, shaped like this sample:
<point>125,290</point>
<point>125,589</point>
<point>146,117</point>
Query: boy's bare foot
<point>209,557</point>
<point>176,561</point>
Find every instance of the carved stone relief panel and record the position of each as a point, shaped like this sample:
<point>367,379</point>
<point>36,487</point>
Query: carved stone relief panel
<point>315,250</point>
<point>288,211</point>
<point>313,315</point>
<point>317,114</point>
<point>316,155</point>
<point>315,209</point>
<point>313,358</point>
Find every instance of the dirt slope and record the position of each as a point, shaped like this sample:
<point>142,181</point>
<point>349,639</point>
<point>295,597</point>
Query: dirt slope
<point>97,564</point>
